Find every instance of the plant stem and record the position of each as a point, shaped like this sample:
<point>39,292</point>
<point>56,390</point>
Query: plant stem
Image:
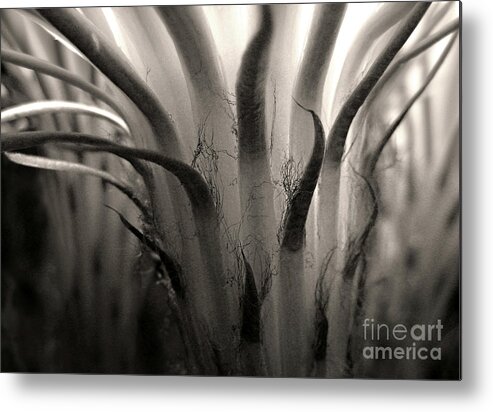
<point>41,66</point>
<point>58,106</point>
<point>93,44</point>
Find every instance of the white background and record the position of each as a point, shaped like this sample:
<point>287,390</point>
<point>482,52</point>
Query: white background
<point>127,393</point>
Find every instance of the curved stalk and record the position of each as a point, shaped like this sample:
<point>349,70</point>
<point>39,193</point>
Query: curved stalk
<point>257,230</point>
<point>194,43</point>
<point>297,212</point>
<point>44,163</point>
<point>93,44</point>
<point>58,106</point>
<point>213,115</point>
<point>373,158</point>
<point>339,310</point>
<point>421,47</point>
<point>309,91</point>
<point>172,267</point>
<point>283,66</point>
<point>191,180</point>
<point>387,16</point>
<point>113,63</point>
<point>354,203</point>
<point>339,131</point>
<point>295,321</point>
<point>41,66</point>
<point>256,191</point>
<point>36,41</point>
<point>329,197</point>
<point>15,25</point>
<point>36,18</point>
<point>384,81</point>
<point>221,309</point>
<point>310,80</point>
<point>250,90</point>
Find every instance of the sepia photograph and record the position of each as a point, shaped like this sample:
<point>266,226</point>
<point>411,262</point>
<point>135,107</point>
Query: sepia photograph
<point>247,190</point>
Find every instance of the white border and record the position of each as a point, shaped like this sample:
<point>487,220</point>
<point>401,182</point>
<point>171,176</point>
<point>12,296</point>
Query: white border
<point>123,393</point>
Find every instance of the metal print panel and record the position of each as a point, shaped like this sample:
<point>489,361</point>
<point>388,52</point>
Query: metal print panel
<point>239,190</point>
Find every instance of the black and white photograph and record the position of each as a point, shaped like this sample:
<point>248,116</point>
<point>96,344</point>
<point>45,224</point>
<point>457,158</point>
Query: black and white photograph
<point>234,190</point>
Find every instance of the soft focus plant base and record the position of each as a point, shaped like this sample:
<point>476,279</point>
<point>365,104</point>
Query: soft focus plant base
<point>240,190</point>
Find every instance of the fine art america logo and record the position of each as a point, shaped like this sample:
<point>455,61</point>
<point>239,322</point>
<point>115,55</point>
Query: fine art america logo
<point>416,342</point>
